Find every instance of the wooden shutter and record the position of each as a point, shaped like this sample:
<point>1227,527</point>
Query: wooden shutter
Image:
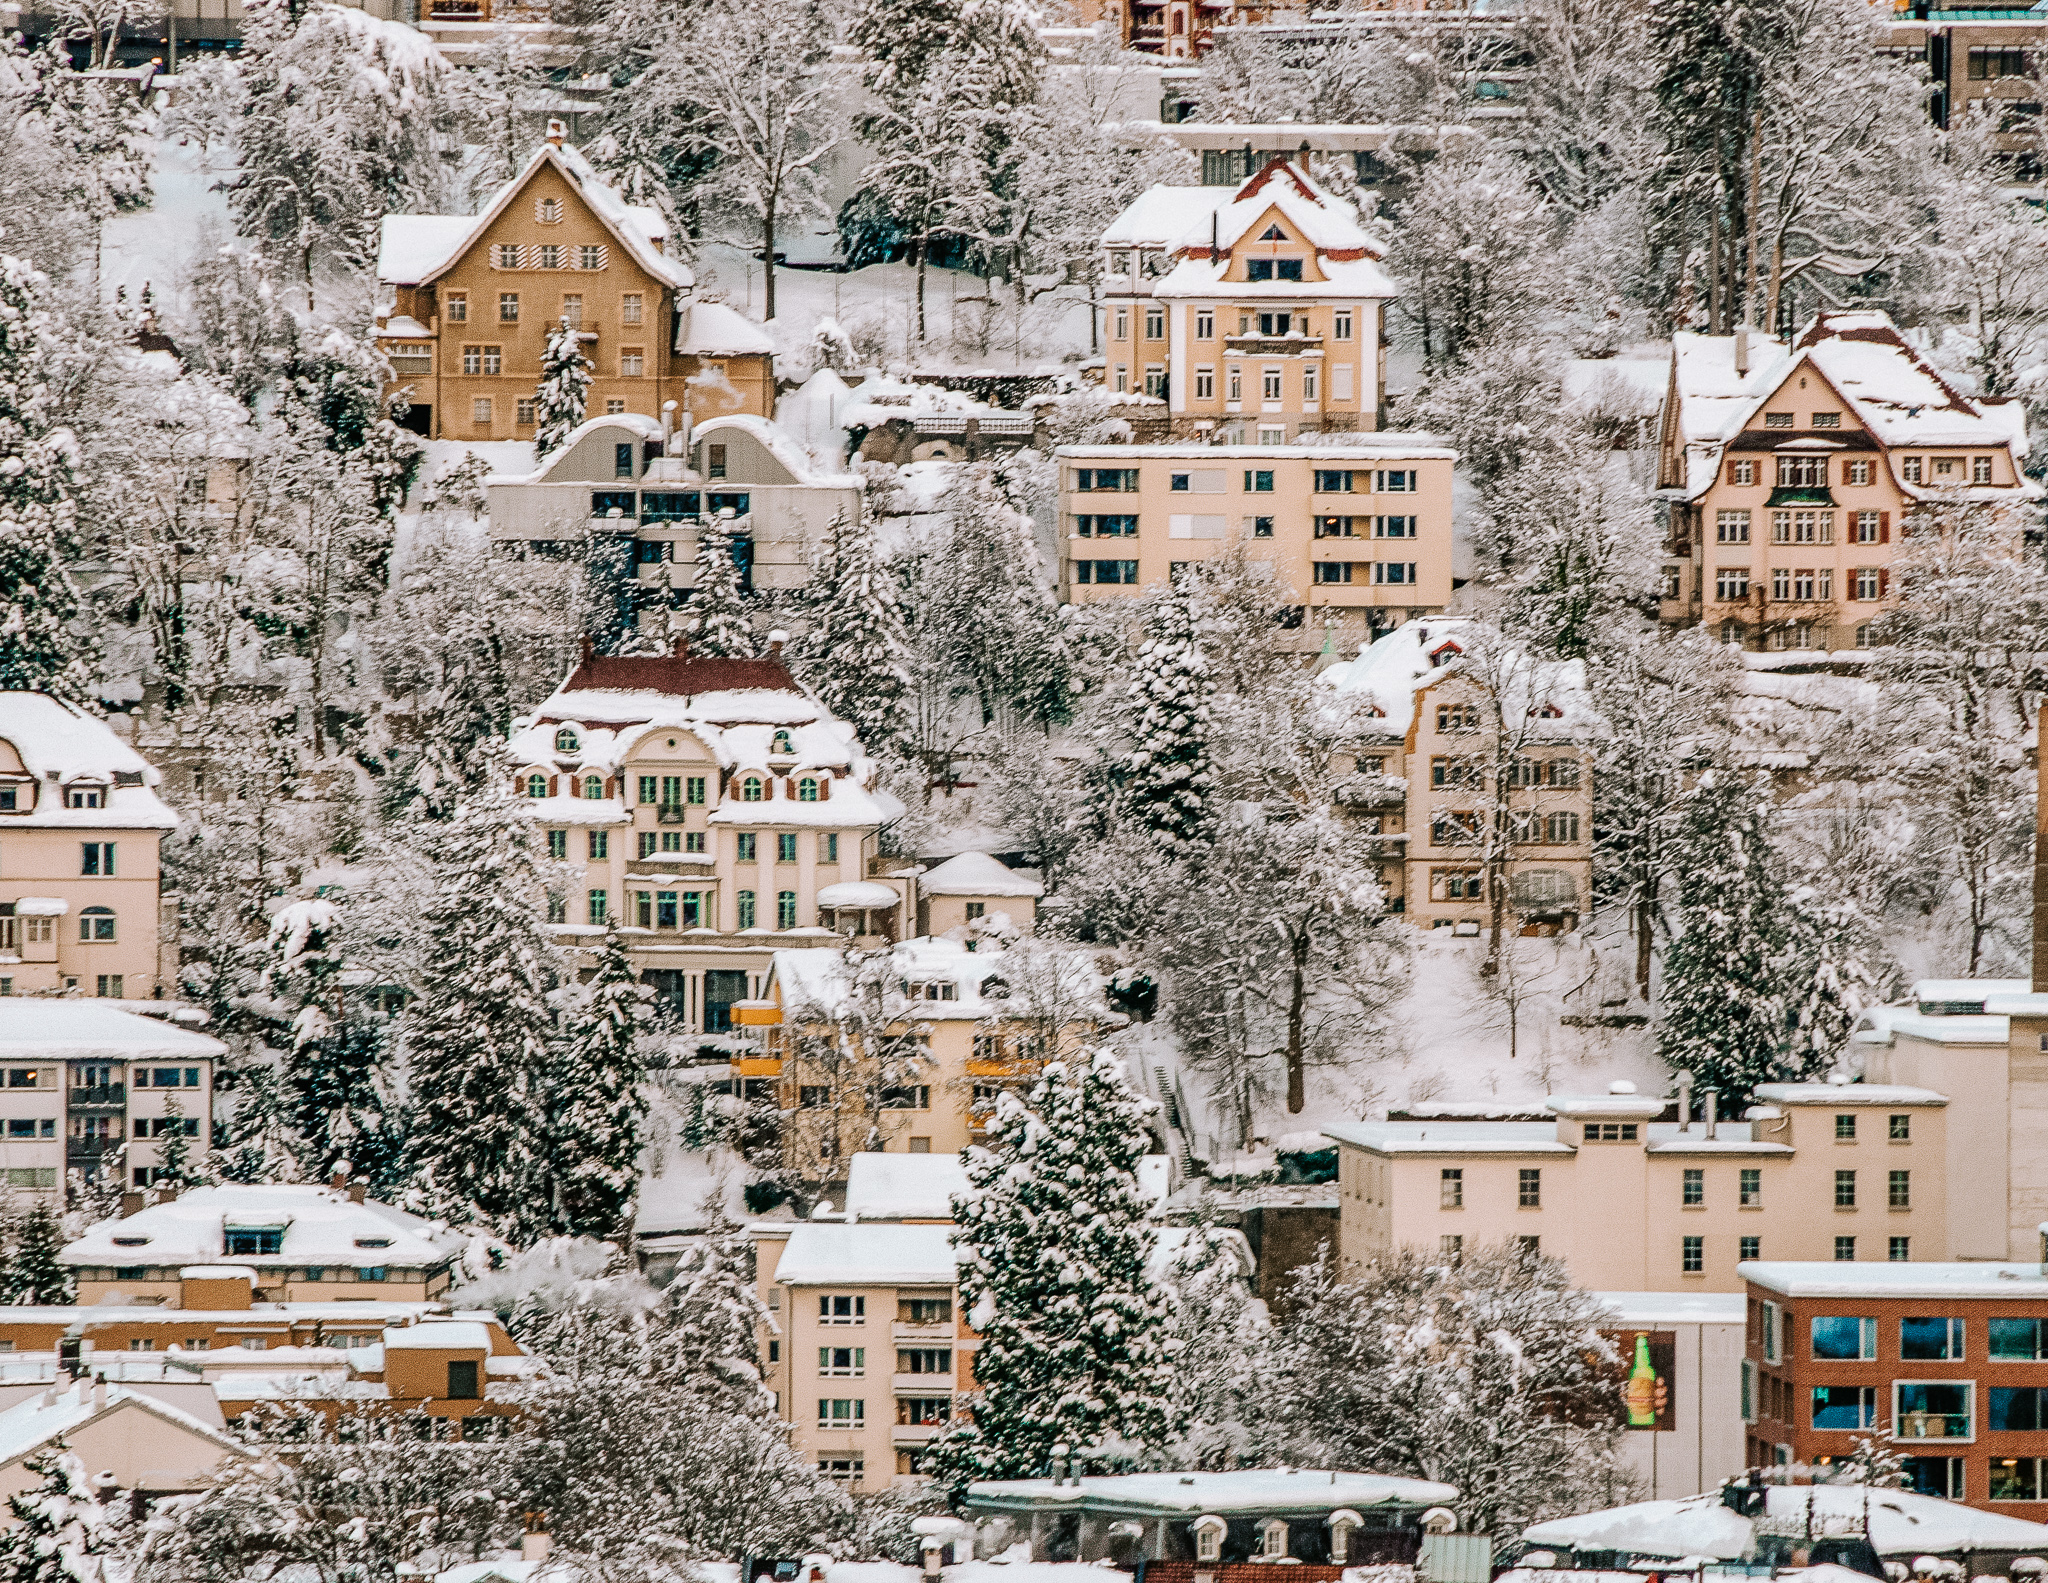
<point>1884,527</point>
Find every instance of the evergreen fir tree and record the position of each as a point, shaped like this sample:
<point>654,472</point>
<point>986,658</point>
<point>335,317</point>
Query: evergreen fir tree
<point>854,656</point>
<point>58,1533</point>
<point>174,1154</point>
<point>39,599</point>
<point>599,1105</point>
<point>1724,1018</point>
<point>719,623</point>
<point>35,1277</point>
<point>1168,781</point>
<point>257,1142</point>
<point>710,1316</point>
<point>564,391</point>
<point>332,1074</point>
<point>480,1039</point>
<point>1054,1238</point>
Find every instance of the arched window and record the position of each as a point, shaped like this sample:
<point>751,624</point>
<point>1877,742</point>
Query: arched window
<point>780,743</point>
<point>807,789</point>
<point>96,923</point>
<point>567,741</point>
<point>548,211</point>
<point>593,787</point>
<point>536,786</point>
<point>752,789</point>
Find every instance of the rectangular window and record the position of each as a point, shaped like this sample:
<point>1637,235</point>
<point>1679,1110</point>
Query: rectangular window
<point>846,1362</point>
<point>785,848</point>
<point>1845,1129</point>
<point>1451,1189</point>
<point>1899,1129</point>
<point>1899,1189</point>
<point>1341,325</point>
<point>1844,1406</point>
<point>1752,1188</point>
<point>2016,1409</point>
<point>1394,527</point>
<point>839,1413</point>
<point>1450,1249</point>
<point>1856,473</point>
<point>924,1360</point>
<point>1910,469</point>
<point>1394,573</point>
<point>632,361</point>
<point>1731,527</point>
<point>747,846</point>
<point>1121,479</point>
<point>1938,1476</point>
<point>1845,1189</point>
<point>598,906</point>
<point>1258,481</point>
<point>2018,1340</point>
<point>458,308</point>
<point>1333,571</point>
<point>1530,1188</point>
<point>1693,1190</point>
<point>1777,420</point>
<point>1773,1335</point>
<point>1731,584</point>
<point>785,909</point>
<point>1937,1339</point>
<point>1827,420</point>
<point>1980,469</point>
<point>1742,473</point>
<point>630,308</point>
<point>1845,1250</point>
<point>1205,384</point>
<point>1271,385</point>
<point>1845,1338</point>
<point>508,307</point>
<point>1106,527</point>
<point>1899,1250</point>
<point>572,309</point>
<point>1155,324</point>
<point>1205,325</point>
<point>480,410</point>
<point>1933,1410</point>
<point>2014,1478</point>
<point>558,843</point>
<point>1866,583</point>
<point>1105,572</point>
<point>97,858</point>
<point>1749,1248</point>
<point>1334,528</point>
<point>842,1310</point>
<point>1692,1258</point>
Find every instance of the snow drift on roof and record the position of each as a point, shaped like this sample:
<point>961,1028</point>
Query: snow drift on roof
<point>1245,1492</point>
<point>903,1186</point>
<point>711,329</point>
<point>819,1254</point>
<point>60,743</point>
<point>320,1227</point>
<point>81,1030</point>
<point>977,874</point>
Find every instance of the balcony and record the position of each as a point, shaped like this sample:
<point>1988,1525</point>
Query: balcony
<point>940,1332</point>
<point>922,1384</point>
<point>100,1096</point>
<point>915,1434</point>
<point>1273,346</point>
<point>1367,793</point>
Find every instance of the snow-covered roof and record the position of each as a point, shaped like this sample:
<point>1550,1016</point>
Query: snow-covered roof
<point>30,1425</point>
<point>1891,389</point>
<point>1379,688</point>
<point>1450,1137</point>
<point>1965,991</point>
<point>776,441</point>
<point>1161,216</point>
<point>1390,445</point>
<point>1604,1105</point>
<point>838,1254</point>
<point>737,709</point>
<point>815,978</point>
<point>1342,277</point>
<point>1882,1024</point>
<point>1901,1523</point>
<point>61,745</point>
<point>977,874</point>
<point>1886,1281</point>
<point>440,1335</point>
<point>903,1186</point>
<point>1846,1094</point>
<point>1246,1492</point>
<point>415,248</point>
<point>711,329</point>
<point>1675,1308</point>
<point>84,1030</point>
<point>321,1227</point>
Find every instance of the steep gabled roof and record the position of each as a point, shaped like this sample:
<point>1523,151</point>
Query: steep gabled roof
<point>415,249</point>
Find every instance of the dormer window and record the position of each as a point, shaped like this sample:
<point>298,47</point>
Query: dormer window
<point>936,989</point>
<point>567,741</point>
<point>1272,269</point>
<point>1209,1532</point>
<point>593,787</point>
<point>1273,1538</point>
<point>373,1242</point>
<point>753,789</point>
<point>548,211</point>
<point>779,743</point>
<point>84,797</point>
<point>536,786</point>
<point>807,789</point>
<point>253,1241</point>
<point>1273,233</point>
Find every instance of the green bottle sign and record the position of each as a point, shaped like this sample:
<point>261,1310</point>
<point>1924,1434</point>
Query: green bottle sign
<point>1641,1393</point>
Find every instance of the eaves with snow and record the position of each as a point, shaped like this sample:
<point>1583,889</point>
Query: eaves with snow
<point>316,1226</point>
<point>1377,692</point>
<point>67,769</point>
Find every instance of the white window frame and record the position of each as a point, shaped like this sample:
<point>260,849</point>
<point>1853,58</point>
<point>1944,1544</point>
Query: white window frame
<point>1899,1420</point>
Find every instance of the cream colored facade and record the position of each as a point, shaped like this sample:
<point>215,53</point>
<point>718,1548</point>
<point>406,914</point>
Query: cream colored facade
<point>80,825</point>
<point>1632,1203</point>
<point>1256,312</point>
<point>866,1350</point>
<point>1789,473</point>
<point>471,303</point>
<point>1359,533</point>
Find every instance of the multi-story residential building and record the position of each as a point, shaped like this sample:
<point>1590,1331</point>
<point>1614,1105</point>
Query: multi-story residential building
<point>867,1350</point>
<point>1789,472</point>
<point>1471,777</point>
<point>624,477</point>
<point>715,812</point>
<point>1359,533</point>
<point>289,1244</point>
<point>1820,1171</point>
<point>911,1058</point>
<point>1949,1362</point>
<point>100,1091</point>
<point>1256,312</point>
<point>81,906</point>
<point>470,301</point>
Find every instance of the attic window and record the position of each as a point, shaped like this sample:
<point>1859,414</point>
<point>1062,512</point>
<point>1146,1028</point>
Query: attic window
<point>1777,420</point>
<point>567,741</point>
<point>780,743</point>
<point>752,789</point>
<point>373,1242</point>
<point>247,1241</point>
<point>82,797</point>
<point>131,1242</point>
<point>936,989</point>
<point>548,211</point>
<point>1272,233</point>
<point>1548,712</point>
<point>807,789</point>
<point>593,787</point>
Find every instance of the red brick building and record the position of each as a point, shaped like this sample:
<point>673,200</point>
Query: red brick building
<point>1949,1360</point>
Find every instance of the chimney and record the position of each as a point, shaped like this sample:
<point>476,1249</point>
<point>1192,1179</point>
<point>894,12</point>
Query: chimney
<point>337,1179</point>
<point>1742,351</point>
<point>1713,1098</point>
<point>358,1190</point>
<point>1684,1101</point>
<point>668,424</point>
<point>99,1392</point>
<point>131,1204</point>
<point>2041,861</point>
<point>589,648</point>
<point>681,648</point>
<point>775,641</point>
<point>536,1541</point>
<point>556,132</point>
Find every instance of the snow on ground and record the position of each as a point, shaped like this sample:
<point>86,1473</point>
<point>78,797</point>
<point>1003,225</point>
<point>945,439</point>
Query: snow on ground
<point>154,246</point>
<point>677,1181</point>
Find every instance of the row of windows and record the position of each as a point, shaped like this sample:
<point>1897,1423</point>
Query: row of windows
<point>1731,526</point>
<point>1388,574</point>
<point>549,255</point>
<point>1362,527</point>
<point>1523,771</point>
<point>1526,827</point>
<point>1268,322</point>
<point>479,359</point>
<point>669,909</point>
<point>12,801</point>
<point>845,1309</point>
<point>482,410</point>
<point>1692,1182</point>
<point>1865,584</point>
<point>96,926</point>
<point>852,1362</point>
<point>684,791</point>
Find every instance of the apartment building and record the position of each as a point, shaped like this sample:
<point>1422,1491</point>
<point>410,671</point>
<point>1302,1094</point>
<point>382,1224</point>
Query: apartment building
<point>716,813</point>
<point>467,303</point>
<point>1468,775</point>
<point>275,1244</point>
<point>647,488</point>
<point>81,904</point>
<point>1255,312</point>
<point>1949,1361</point>
<point>866,1349</point>
<point>910,1056</point>
<point>1631,1202</point>
<point>1359,533</point>
<point>1789,471</point>
<point>98,1090</point>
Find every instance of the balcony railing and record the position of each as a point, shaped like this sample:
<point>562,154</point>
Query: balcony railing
<point>1934,1426</point>
<point>99,1095</point>
<point>1273,345</point>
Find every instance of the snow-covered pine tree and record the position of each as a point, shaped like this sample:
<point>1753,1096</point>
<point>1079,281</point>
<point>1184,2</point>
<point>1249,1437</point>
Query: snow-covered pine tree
<point>480,1039</point>
<point>564,391</point>
<point>1168,784</point>
<point>854,656</point>
<point>1877,1461</point>
<point>174,1155</point>
<point>58,1533</point>
<point>719,623</point>
<point>39,599</point>
<point>35,1277</point>
<point>1053,1240</point>
<point>1724,1017</point>
<point>598,1105</point>
<point>257,1143</point>
<point>710,1317</point>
